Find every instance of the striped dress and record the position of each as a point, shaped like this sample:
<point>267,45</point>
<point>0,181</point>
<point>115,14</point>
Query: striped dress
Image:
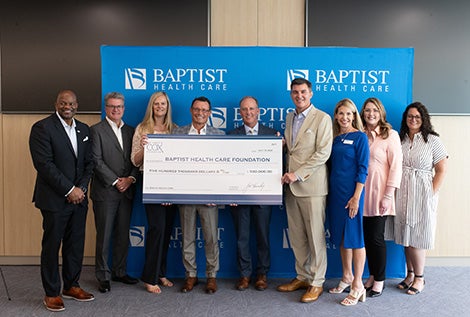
<point>416,204</point>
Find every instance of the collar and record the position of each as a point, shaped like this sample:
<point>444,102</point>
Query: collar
<point>113,124</point>
<point>374,133</point>
<point>65,123</point>
<point>255,128</point>
<point>305,112</point>
<point>193,130</point>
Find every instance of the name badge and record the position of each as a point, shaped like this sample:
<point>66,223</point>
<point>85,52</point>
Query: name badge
<point>348,141</point>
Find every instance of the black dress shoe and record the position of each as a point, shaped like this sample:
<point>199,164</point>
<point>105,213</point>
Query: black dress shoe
<point>104,287</point>
<point>126,279</point>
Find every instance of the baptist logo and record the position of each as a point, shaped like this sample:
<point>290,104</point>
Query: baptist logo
<point>296,73</point>
<point>137,236</point>
<point>285,239</point>
<point>136,78</point>
<point>218,118</point>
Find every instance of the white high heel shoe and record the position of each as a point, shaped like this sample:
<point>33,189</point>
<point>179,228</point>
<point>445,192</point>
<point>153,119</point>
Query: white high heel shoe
<point>342,286</point>
<point>354,297</point>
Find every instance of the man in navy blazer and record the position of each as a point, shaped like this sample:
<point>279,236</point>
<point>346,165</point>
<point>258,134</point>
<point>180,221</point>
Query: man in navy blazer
<point>60,148</point>
<point>242,215</point>
<point>208,213</point>
<point>112,192</point>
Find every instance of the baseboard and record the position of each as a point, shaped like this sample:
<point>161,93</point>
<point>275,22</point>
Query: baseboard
<point>447,261</point>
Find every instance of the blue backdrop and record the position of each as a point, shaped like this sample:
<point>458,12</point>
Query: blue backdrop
<point>225,75</point>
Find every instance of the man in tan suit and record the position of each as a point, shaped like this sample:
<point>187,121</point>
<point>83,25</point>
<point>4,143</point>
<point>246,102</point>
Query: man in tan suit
<point>308,138</point>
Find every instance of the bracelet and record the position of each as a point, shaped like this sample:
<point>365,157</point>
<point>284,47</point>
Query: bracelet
<point>387,196</point>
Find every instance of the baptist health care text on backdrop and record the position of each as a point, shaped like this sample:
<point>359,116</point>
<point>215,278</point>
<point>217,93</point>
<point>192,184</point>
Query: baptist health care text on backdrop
<point>225,75</point>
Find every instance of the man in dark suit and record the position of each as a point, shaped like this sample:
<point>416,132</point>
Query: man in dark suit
<point>208,213</point>
<point>61,153</point>
<point>261,215</point>
<point>112,192</point>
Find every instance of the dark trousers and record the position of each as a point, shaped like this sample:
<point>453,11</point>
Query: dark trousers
<point>66,227</point>
<point>160,223</point>
<point>112,222</point>
<point>261,216</point>
<point>376,250</point>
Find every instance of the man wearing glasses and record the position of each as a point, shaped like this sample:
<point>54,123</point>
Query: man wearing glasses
<point>112,192</point>
<point>208,213</point>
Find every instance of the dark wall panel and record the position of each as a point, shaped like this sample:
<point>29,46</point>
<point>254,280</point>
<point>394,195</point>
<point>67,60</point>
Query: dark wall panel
<point>439,31</point>
<point>50,45</point>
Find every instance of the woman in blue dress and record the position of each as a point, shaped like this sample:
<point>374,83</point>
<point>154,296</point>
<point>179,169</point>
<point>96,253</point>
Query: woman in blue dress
<point>348,171</point>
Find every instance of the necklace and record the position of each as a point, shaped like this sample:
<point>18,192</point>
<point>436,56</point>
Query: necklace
<point>345,136</point>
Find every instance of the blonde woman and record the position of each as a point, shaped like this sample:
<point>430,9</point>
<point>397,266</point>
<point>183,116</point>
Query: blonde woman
<point>348,171</point>
<point>160,217</point>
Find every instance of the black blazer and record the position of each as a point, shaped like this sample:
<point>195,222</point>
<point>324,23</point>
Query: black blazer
<point>262,130</point>
<point>111,161</point>
<point>58,169</point>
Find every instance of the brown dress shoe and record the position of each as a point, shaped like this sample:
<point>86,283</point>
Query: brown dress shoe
<point>261,282</point>
<point>243,283</point>
<point>54,303</point>
<point>211,285</point>
<point>189,284</point>
<point>312,294</point>
<point>78,294</point>
<point>293,285</point>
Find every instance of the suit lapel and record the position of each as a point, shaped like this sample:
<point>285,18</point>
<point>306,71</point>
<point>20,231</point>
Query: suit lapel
<point>288,130</point>
<point>112,136</point>
<point>126,141</point>
<point>305,125</point>
<point>63,134</point>
<point>80,137</point>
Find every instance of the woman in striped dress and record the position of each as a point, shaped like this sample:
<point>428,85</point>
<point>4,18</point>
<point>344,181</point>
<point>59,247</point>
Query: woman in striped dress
<point>424,167</point>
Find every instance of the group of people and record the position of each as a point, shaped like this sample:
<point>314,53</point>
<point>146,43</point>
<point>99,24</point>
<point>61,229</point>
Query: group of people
<point>370,182</point>
<point>354,173</point>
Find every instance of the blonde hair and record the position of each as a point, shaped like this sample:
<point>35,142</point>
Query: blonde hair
<point>357,122</point>
<point>148,123</point>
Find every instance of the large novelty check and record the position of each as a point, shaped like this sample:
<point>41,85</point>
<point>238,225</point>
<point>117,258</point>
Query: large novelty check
<point>188,169</point>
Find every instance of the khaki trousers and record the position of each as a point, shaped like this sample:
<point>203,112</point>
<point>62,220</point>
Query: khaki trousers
<point>306,219</point>
<point>209,217</point>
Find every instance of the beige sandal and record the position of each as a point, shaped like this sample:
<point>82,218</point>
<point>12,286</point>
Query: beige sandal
<point>342,286</point>
<point>354,297</point>
<point>165,282</point>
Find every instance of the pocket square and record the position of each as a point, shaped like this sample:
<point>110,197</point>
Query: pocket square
<point>85,139</point>
<point>308,131</point>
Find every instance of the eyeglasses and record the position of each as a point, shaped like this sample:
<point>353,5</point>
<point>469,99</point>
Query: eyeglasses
<point>119,107</point>
<point>411,117</point>
<point>71,104</point>
<point>201,110</point>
